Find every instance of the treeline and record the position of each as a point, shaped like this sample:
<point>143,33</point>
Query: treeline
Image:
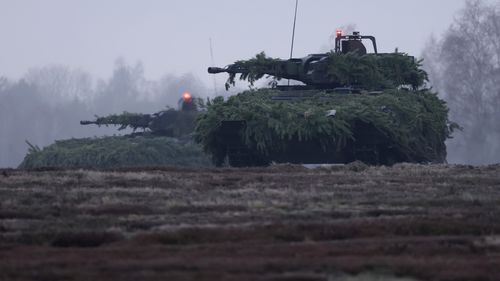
<point>464,67</point>
<point>48,102</point>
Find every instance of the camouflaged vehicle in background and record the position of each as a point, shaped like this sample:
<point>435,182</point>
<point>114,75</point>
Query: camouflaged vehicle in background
<point>159,139</point>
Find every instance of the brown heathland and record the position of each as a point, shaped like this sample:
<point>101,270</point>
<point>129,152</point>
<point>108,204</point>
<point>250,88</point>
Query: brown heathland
<point>407,222</point>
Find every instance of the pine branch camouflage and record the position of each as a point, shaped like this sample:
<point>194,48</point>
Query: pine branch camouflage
<point>403,121</point>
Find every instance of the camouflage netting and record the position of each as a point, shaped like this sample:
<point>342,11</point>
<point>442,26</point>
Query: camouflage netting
<point>172,123</point>
<point>416,122</point>
<point>385,71</point>
<point>257,68</point>
<point>370,72</point>
<point>126,119</point>
<point>116,152</point>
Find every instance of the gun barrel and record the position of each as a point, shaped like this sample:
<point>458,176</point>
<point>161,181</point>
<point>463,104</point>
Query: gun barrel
<point>85,122</point>
<point>214,70</point>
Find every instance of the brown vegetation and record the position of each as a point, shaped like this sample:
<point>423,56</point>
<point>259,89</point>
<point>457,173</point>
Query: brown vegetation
<point>351,223</point>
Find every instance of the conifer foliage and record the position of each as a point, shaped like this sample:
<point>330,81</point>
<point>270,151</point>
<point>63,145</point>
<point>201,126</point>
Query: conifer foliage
<point>370,72</point>
<point>411,119</point>
<point>116,152</point>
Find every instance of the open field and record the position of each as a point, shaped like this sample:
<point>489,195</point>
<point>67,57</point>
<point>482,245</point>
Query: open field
<point>286,223</point>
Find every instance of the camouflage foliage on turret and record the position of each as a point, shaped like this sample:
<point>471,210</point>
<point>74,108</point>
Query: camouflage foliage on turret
<point>172,123</point>
<point>370,72</point>
<point>384,71</point>
<point>169,122</point>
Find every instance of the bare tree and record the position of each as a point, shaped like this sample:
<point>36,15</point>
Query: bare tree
<point>464,66</point>
<point>60,84</point>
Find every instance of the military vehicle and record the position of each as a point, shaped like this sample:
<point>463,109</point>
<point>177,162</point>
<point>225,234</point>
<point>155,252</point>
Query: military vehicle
<point>352,105</point>
<point>170,122</point>
<point>163,138</point>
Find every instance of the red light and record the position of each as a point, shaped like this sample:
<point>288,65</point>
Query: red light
<point>186,97</point>
<point>339,33</point>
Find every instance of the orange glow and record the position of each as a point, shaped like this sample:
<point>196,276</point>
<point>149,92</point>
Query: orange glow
<point>339,33</point>
<point>186,97</point>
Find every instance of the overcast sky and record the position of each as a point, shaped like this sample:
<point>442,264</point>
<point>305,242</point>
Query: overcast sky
<point>172,36</point>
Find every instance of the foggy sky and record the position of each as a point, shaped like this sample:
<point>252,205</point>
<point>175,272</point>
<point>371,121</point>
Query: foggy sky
<point>173,36</point>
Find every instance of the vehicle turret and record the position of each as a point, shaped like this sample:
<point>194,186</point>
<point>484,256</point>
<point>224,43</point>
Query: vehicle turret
<point>341,67</point>
<point>169,122</point>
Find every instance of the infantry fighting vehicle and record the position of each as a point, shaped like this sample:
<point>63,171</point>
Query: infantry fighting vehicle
<point>352,105</point>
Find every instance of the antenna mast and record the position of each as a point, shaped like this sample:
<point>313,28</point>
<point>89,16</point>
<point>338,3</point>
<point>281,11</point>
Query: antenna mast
<point>293,31</point>
<point>213,63</point>
<point>294,22</point>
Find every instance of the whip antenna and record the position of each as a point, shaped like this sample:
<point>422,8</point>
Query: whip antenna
<point>293,31</point>
<point>213,63</point>
<point>294,22</point>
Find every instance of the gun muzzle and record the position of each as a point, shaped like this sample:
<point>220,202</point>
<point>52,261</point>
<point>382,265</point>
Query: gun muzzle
<point>215,70</point>
<point>85,122</point>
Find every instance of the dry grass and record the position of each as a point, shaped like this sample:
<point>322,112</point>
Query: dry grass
<point>279,223</point>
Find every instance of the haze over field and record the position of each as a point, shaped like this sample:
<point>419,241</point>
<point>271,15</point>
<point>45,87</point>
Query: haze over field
<point>173,36</point>
<point>62,61</point>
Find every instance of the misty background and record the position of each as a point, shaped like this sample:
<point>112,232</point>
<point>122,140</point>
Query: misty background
<point>62,61</point>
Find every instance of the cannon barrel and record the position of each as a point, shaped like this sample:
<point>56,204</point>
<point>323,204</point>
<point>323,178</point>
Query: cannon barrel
<point>215,70</point>
<point>232,68</point>
<point>85,122</point>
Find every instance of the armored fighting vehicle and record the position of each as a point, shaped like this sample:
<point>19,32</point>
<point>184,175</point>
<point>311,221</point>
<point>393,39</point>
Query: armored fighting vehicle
<point>158,139</point>
<point>351,105</point>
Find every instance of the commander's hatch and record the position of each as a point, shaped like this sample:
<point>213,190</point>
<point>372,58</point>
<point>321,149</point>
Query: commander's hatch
<point>353,43</point>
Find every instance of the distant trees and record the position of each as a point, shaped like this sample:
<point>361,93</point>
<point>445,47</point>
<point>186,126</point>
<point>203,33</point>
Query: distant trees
<point>60,83</point>
<point>123,89</point>
<point>464,66</point>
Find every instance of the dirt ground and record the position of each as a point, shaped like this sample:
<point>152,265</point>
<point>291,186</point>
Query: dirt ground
<point>283,223</point>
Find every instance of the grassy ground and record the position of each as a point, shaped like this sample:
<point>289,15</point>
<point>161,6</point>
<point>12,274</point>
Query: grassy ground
<point>352,223</point>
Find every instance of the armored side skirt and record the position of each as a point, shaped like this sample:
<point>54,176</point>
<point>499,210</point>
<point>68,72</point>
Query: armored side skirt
<point>368,145</point>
